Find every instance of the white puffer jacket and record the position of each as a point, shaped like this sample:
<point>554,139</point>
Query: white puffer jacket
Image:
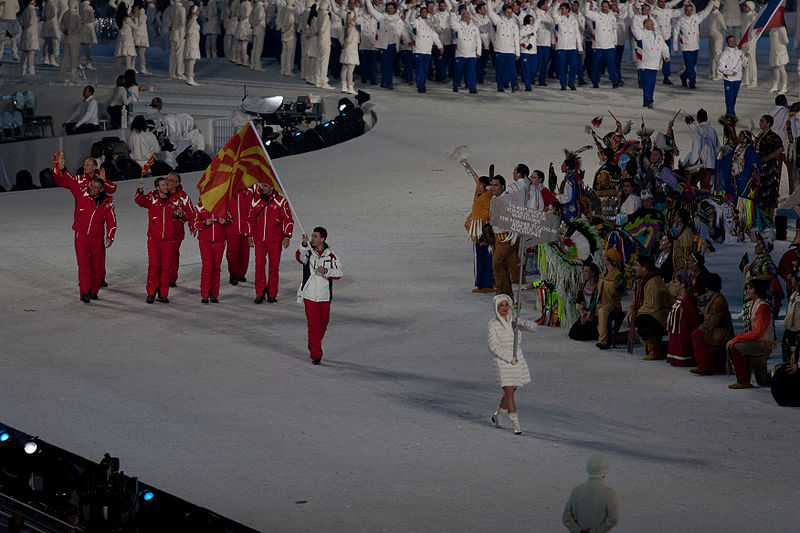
<point>501,344</point>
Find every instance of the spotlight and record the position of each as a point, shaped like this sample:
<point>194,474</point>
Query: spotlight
<point>31,447</point>
<point>148,495</point>
<point>4,436</point>
<point>345,104</point>
<point>362,97</point>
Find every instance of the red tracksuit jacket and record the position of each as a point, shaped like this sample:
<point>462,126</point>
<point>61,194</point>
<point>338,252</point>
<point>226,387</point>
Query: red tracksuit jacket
<point>93,217</point>
<point>239,210</point>
<point>213,233</point>
<point>161,215</point>
<point>271,219</point>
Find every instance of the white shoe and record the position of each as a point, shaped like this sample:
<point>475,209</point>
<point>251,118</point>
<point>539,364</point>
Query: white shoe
<point>182,77</point>
<point>53,62</point>
<point>89,66</point>
<point>783,89</point>
<point>774,88</point>
<point>515,420</point>
<point>190,81</point>
<point>81,67</point>
<point>497,417</point>
<point>325,86</point>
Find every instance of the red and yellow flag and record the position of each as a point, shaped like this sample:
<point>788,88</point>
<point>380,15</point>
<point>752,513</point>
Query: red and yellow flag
<point>146,167</point>
<point>240,164</point>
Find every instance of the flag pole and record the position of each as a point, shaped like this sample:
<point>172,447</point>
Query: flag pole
<point>278,178</point>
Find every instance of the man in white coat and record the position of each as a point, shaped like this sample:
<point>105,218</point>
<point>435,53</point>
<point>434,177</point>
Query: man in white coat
<point>506,46</point>
<point>654,49</point>
<point>389,27</point>
<point>702,159</point>
<point>662,13</point>
<point>592,506</point>
<point>468,49</point>
<point>544,39</point>
<point>425,38</point>
<point>687,34</point>
<point>176,24</point>
<point>604,34</point>
<point>568,43</point>
<point>320,268</point>
<point>730,65</point>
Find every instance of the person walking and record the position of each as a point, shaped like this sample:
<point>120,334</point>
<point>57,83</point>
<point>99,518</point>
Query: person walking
<point>512,370</point>
<point>271,222</point>
<point>687,33</point>
<point>211,236</point>
<point>731,65</point>
<point>320,268</point>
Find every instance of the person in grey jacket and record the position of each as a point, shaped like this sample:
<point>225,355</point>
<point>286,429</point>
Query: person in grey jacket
<point>592,507</point>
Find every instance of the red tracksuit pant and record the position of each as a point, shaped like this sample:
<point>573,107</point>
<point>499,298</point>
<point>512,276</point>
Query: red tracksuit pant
<point>238,252</point>
<point>173,276</point>
<point>267,251</point>
<point>318,315</point>
<point>90,252</point>
<point>162,261</point>
<point>211,255</point>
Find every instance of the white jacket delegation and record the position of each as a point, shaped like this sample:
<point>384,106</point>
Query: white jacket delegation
<point>544,37</point>
<point>425,38</point>
<point>389,27</point>
<point>731,63</point>
<point>484,24</point>
<point>663,18</point>
<point>501,344</point>
<point>316,286</point>
<point>527,38</point>
<point>369,30</point>
<point>567,35</point>
<point>506,34</point>
<point>440,21</point>
<point>654,48</point>
<point>604,27</point>
<point>687,30</point>
<point>467,37</point>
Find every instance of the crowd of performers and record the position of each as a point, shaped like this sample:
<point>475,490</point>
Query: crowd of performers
<point>644,227</point>
<point>258,217</point>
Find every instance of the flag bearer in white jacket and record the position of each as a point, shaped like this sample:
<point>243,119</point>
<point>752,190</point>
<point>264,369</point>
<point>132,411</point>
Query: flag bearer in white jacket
<point>662,13</point>
<point>687,34</point>
<point>468,49</point>
<point>506,45</point>
<point>604,26</point>
<point>528,57</point>
<point>731,64</point>
<point>425,38</point>
<point>654,49</point>
<point>512,371</point>
<point>320,268</point>
<point>569,45</point>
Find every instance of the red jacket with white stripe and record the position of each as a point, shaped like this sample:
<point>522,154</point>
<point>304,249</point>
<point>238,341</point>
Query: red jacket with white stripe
<point>93,217</point>
<point>239,210</point>
<point>209,233</point>
<point>184,203</point>
<point>161,215</point>
<point>270,218</point>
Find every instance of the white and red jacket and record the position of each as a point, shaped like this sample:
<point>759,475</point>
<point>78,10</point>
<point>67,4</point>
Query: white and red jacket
<point>215,232</point>
<point>160,214</point>
<point>94,217</point>
<point>315,286</point>
<point>270,218</point>
<point>239,210</point>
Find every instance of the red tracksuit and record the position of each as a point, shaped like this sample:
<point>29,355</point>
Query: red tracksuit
<point>271,221</point>
<point>161,237</point>
<point>212,246</point>
<point>238,252</point>
<point>94,222</point>
<point>184,203</point>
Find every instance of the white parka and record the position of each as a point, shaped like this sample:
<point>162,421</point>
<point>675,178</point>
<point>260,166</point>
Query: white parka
<point>663,18</point>
<point>566,33</point>
<point>506,32</point>
<point>501,344</point>
<point>604,27</point>
<point>527,37</point>
<point>467,37</point>
<point>731,63</point>
<point>425,38</point>
<point>389,26</point>
<point>544,36</point>
<point>687,30</point>
<point>316,286</point>
<point>654,48</point>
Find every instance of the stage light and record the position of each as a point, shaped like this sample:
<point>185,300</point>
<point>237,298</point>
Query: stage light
<point>148,495</point>
<point>31,447</point>
<point>4,436</point>
<point>362,97</point>
<point>345,104</point>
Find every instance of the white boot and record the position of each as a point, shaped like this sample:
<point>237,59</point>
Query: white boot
<point>190,81</point>
<point>345,88</point>
<point>32,71</point>
<point>775,82</point>
<point>89,66</point>
<point>352,89</point>
<point>497,417</point>
<point>515,420</point>
<point>784,89</point>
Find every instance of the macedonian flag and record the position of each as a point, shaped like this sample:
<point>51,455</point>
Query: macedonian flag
<point>240,164</point>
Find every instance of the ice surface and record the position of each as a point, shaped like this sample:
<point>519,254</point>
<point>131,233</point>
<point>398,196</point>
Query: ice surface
<point>219,405</point>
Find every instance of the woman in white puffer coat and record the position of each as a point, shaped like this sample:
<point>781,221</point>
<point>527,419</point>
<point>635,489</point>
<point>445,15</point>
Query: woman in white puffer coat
<point>778,58</point>
<point>125,49</point>
<point>29,42</point>
<point>140,36</point>
<point>50,32</point>
<point>88,33</point>
<point>192,47</point>
<point>512,372</point>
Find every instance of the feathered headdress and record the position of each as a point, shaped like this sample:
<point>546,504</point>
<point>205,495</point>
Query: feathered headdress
<point>689,119</point>
<point>574,156</point>
<point>645,133</point>
<point>729,126</point>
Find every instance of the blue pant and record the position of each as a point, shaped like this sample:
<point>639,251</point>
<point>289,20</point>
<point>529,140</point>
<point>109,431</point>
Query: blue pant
<point>484,277</point>
<point>543,53</point>
<point>480,67</point>
<point>605,57</point>
<point>465,66</point>
<point>529,63</point>
<point>387,63</point>
<point>666,66</point>
<point>505,70</point>
<point>369,66</point>
<point>618,59</point>
<point>648,84</point>
<point>407,58</point>
<point>423,64</point>
<point>567,66</point>
<point>689,62</point>
<point>334,65</point>
<point>731,92</point>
